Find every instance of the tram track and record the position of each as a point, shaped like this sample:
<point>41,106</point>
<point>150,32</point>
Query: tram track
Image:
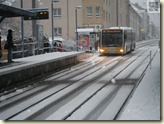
<point>54,91</point>
<point>96,112</point>
<point>42,81</point>
<point>56,115</point>
<point>91,78</point>
<point>72,91</point>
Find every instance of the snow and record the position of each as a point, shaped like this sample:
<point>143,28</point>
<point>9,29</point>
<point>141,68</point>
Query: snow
<point>113,81</point>
<point>145,102</point>
<point>36,60</point>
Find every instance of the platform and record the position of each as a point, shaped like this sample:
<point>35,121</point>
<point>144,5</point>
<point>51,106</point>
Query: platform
<point>36,66</point>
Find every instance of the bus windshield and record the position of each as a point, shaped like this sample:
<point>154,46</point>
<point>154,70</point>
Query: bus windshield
<point>112,39</point>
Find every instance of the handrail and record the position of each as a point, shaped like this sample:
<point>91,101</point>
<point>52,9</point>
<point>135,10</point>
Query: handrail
<point>32,48</point>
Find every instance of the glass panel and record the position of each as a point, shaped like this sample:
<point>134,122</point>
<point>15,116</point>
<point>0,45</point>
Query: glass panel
<point>57,12</point>
<point>112,39</point>
<point>89,11</point>
<point>97,11</point>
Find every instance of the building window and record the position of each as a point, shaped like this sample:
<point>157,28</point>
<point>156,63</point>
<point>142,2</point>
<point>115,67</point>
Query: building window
<point>109,18</point>
<point>89,11</point>
<point>58,31</point>
<point>103,14</point>
<point>57,12</point>
<point>98,11</point>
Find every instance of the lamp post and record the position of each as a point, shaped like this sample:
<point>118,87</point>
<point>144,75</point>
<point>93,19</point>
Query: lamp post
<point>76,8</point>
<point>117,12</point>
<point>52,16</point>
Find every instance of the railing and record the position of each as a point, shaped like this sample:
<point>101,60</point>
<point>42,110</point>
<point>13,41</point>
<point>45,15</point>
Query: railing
<point>33,48</point>
<point>17,50</point>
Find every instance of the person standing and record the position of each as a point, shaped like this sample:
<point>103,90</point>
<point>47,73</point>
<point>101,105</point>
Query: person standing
<point>55,47</point>
<point>0,49</point>
<point>60,48</point>
<point>10,46</point>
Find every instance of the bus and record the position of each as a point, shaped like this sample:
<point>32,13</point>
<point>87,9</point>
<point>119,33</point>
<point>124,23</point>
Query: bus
<point>117,40</point>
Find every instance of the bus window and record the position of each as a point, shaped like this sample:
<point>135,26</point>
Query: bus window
<point>112,39</point>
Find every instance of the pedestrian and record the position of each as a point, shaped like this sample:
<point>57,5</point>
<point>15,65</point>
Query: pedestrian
<point>60,48</point>
<point>55,46</point>
<point>46,47</point>
<point>90,49</point>
<point>0,49</point>
<point>10,46</point>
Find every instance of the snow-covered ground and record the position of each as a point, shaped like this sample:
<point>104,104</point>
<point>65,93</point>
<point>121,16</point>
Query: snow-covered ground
<point>144,104</point>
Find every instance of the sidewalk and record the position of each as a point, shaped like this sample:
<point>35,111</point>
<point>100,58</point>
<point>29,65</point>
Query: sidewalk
<point>144,104</point>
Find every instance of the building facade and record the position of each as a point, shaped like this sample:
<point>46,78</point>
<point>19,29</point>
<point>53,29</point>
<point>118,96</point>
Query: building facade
<point>152,30</point>
<point>135,21</point>
<point>64,18</point>
<point>116,13</point>
<point>101,13</point>
<point>145,20</point>
<point>90,14</point>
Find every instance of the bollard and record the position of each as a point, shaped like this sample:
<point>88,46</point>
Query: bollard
<point>150,58</point>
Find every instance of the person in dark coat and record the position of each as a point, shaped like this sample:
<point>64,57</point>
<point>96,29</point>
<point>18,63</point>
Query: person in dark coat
<point>55,47</point>
<point>10,46</point>
<point>0,49</point>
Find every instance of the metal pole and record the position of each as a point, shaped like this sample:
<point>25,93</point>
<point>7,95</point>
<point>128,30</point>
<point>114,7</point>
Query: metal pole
<point>76,29</point>
<point>117,12</point>
<point>22,31</point>
<point>34,21</point>
<point>67,20</point>
<point>150,58</point>
<point>52,7</point>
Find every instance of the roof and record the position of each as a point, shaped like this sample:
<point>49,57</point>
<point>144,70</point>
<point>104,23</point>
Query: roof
<point>137,7</point>
<point>85,30</point>
<point>123,28</point>
<point>9,11</point>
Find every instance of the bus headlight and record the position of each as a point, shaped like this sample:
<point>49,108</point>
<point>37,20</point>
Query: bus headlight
<point>101,50</point>
<point>121,50</point>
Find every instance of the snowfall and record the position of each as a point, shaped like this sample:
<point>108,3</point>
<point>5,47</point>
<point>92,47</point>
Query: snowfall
<point>144,103</point>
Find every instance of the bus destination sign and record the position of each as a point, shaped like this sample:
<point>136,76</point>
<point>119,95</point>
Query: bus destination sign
<point>112,31</point>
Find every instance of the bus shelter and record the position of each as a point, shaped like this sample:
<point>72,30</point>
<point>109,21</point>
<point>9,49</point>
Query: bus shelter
<point>88,39</point>
<point>10,11</point>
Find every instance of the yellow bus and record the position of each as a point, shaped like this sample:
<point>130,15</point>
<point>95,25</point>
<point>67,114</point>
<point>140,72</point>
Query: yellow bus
<point>117,40</point>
